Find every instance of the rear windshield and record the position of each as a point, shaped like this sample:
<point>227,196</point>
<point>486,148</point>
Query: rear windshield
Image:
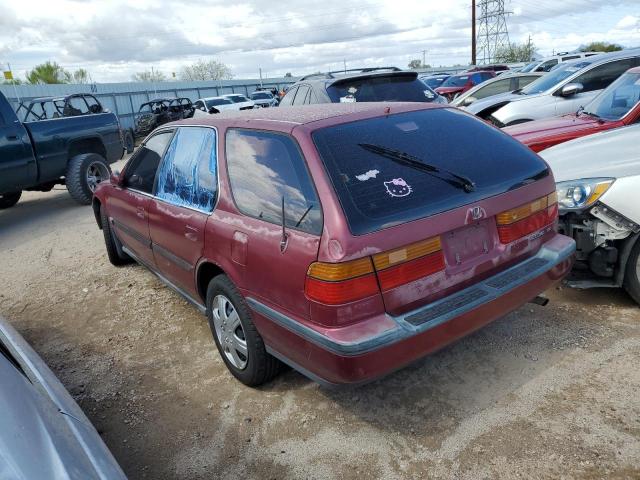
<point>377,192</point>
<point>217,101</point>
<point>261,96</point>
<point>396,88</point>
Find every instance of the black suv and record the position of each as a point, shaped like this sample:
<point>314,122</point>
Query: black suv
<point>382,84</point>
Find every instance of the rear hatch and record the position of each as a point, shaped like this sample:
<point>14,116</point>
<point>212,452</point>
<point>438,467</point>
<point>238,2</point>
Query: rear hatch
<point>381,87</point>
<point>436,199</point>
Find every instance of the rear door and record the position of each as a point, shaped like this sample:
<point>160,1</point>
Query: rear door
<point>266,169</point>
<point>185,195</point>
<point>128,206</point>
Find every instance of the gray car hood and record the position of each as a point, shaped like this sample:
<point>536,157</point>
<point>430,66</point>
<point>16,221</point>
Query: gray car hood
<point>43,432</point>
<point>615,154</point>
<point>484,103</point>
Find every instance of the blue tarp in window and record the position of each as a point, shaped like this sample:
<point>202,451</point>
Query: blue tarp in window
<point>187,176</point>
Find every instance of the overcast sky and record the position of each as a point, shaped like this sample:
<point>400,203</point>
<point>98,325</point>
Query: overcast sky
<point>114,39</point>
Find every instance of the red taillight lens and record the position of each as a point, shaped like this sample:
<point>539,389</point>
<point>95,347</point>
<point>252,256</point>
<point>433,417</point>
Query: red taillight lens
<point>536,221</point>
<point>338,283</point>
<point>337,293</point>
<point>411,270</point>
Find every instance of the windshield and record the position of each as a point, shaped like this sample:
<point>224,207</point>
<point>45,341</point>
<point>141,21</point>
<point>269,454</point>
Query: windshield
<point>238,99</point>
<point>551,79</point>
<point>456,81</point>
<point>377,191</point>
<point>217,101</point>
<point>395,88</point>
<point>261,96</point>
<point>615,101</point>
<point>529,67</point>
<point>434,82</point>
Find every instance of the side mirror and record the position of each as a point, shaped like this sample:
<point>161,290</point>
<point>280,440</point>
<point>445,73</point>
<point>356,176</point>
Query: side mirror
<point>115,177</point>
<point>105,110</point>
<point>571,89</point>
<point>468,101</point>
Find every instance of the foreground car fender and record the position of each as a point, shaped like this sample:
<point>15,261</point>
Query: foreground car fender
<point>43,432</point>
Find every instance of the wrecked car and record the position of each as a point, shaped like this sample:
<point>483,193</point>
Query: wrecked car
<point>346,240</point>
<point>598,185</point>
<point>180,108</point>
<point>151,115</point>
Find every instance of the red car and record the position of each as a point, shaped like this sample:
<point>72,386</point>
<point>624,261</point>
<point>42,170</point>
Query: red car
<point>616,106</point>
<point>460,83</point>
<point>346,240</point>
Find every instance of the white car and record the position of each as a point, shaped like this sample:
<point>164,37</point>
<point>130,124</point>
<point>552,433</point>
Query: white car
<point>598,184</point>
<point>505,83</point>
<point>546,64</point>
<point>242,102</point>
<point>561,91</point>
<point>214,105</point>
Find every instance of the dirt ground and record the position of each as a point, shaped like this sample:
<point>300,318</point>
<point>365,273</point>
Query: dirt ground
<point>546,392</point>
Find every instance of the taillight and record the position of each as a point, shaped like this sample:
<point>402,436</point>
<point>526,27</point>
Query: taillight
<point>525,219</point>
<point>338,283</point>
<point>404,265</point>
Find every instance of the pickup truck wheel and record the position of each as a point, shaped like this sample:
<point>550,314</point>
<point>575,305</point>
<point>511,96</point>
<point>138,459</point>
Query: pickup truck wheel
<point>631,281</point>
<point>129,142</point>
<point>84,173</point>
<point>8,200</point>
<point>115,253</point>
<point>239,343</point>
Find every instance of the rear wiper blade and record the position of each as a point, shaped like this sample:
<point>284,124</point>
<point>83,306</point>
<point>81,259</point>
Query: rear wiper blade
<point>409,160</point>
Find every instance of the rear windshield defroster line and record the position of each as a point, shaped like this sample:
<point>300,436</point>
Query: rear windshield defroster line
<point>376,192</point>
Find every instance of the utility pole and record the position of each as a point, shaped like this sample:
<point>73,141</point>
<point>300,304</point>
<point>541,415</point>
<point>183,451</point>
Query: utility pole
<point>529,49</point>
<point>345,65</point>
<point>424,58</point>
<point>473,32</point>
<point>493,35</point>
<point>260,69</point>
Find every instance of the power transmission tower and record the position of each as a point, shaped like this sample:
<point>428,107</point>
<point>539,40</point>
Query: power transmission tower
<point>492,30</point>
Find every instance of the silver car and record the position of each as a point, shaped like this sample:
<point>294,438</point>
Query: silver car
<point>43,432</point>
<point>561,91</point>
<point>505,83</point>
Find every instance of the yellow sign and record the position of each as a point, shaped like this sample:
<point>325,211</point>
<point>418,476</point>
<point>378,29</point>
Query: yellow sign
<point>8,75</point>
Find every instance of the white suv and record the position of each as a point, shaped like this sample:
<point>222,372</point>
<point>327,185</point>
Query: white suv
<point>546,64</point>
<point>558,92</point>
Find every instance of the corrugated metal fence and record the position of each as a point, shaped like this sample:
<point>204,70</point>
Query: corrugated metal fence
<point>124,99</point>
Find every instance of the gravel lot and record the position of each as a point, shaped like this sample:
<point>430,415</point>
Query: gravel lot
<point>547,392</point>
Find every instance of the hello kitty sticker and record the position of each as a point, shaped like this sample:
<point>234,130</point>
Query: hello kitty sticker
<point>398,188</point>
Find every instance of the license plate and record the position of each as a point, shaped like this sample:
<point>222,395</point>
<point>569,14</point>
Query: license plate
<point>468,243</point>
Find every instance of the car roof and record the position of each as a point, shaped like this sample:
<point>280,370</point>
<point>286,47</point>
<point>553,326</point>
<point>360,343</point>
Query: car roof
<point>233,95</point>
<point>285,118</point>
<point>337,77</point>
<point>634,70</point>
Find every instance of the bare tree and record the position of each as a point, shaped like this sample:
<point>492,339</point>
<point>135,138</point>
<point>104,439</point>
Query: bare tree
<point>81,76</point>
<point>206,70</point>
<point>149,76</point>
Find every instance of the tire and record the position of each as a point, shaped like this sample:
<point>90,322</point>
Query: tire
<point>631,282</point>
<point>84,172</point>
<point>129,142</point>
<point>8,200</point>
<point>259,367</point>
<point>115,253</point>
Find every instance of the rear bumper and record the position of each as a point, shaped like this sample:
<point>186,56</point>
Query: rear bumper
<point>355,354</point>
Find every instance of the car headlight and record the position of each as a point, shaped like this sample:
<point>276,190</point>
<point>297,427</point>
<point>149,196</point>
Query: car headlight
<point>580,194</point>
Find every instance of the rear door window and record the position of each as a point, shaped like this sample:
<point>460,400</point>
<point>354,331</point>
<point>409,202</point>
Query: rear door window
<point>602,76</point>
<point>499,86</point>
<point>393,88</point>
<point>377,192</point>
<point>288,98</point>
<point>264,168</point>
<point>188,175</point>
<point>301,95</point>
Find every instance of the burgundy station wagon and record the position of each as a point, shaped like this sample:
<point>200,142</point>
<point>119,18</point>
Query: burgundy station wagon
<point>346,240</point>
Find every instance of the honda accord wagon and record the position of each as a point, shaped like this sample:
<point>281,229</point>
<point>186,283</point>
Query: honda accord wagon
<point>345,240</point>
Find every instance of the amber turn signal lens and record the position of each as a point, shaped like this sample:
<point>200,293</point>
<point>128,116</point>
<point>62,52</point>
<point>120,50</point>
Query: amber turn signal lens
<point>405,254</point>
<point>335,272</point>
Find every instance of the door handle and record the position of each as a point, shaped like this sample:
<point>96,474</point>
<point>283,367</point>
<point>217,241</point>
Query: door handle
<point>140,212</point>
<point>191,233</point>
<point>12,138</point>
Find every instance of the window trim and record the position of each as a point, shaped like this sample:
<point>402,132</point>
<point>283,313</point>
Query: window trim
<point>135,155</point>
<point>216,148</point>
<point>304,163</point>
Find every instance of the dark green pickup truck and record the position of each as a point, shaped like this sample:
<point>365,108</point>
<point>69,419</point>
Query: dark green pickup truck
<point>75,151</point>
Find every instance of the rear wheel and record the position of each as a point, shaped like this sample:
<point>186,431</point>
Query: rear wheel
<point>84,173</point>
<point>239,343</point>
<point>129,142</point>
<point>632,273</point>
<point>8,200</point>
<point>114,248</point>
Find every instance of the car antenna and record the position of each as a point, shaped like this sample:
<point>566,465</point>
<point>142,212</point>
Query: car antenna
<point>284,239</point>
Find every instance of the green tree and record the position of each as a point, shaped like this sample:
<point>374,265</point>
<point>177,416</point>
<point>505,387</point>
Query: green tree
<point>81,76</point>
<point>288,75</point>
<point>415,63</point>
<point>149,76</point>
<point>514,53</point>
<point>601,47</point>
<point>206,70</point>
<point>48,72</point>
